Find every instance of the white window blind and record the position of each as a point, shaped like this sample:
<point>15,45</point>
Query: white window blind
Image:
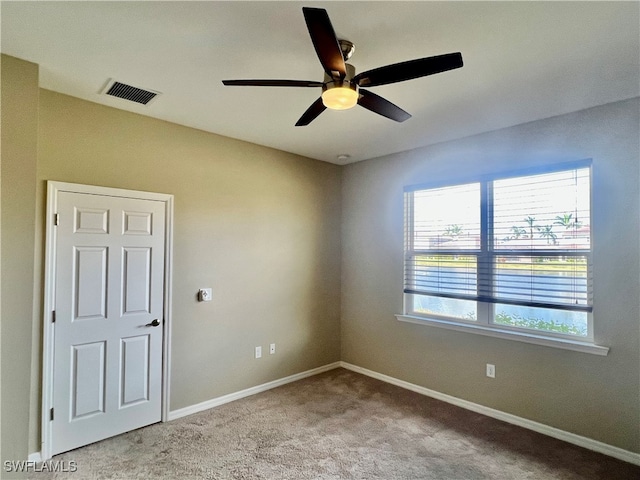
<point>516,240</point>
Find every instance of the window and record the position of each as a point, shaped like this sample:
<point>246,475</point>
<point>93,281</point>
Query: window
<point>509,252</point>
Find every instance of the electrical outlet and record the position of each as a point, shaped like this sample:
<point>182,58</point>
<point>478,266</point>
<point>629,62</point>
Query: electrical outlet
<point>258,352</point>
<point>272,349</point>
<point>491,371</point>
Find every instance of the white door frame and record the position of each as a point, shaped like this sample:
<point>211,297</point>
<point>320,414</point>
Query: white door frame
<point>53,188</point>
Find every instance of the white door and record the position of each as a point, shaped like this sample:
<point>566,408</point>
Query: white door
<point>107,367</point>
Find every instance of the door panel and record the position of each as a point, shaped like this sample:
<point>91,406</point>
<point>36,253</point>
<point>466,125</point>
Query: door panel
<point>90,282</point>
<point>136,292</point>
<point>91,220</point>
<point>109,286</point>
<point>135,370</point>
<point>136,223</point>
<point>87,379</point>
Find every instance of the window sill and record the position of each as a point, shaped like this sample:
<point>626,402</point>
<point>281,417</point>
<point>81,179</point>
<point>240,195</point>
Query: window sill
<point>566,344</point>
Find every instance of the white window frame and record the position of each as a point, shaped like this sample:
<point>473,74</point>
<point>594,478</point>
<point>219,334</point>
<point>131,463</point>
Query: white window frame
<point>483,324</point>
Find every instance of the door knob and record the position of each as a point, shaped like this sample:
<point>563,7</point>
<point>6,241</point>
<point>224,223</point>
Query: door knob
<point>155,323</point>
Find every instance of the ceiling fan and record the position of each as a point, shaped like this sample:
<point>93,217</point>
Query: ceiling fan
<point>341,87</point>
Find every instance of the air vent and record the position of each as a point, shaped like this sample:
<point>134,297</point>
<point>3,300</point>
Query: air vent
<point>128,92</point>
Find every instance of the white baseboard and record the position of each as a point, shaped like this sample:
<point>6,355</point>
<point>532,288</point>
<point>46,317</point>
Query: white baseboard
<point>34,457</point>
<point>568,437</point>
<point>183,412</point>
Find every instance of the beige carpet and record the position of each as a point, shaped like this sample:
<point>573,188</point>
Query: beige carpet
<point>338,425</point>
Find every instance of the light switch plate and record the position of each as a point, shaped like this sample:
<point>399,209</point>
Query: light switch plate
<point>204,295</point>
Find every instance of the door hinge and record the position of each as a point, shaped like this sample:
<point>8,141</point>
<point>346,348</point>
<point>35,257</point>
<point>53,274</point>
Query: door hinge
<point>53,316</point>
<point>56,219</point>
<point>51,414</point>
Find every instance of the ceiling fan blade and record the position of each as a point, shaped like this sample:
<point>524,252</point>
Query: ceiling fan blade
<point>272,83</point>
<point>399,72</point>
<point>312,112</point>
<point>325,41</point>
<point>381,106</point>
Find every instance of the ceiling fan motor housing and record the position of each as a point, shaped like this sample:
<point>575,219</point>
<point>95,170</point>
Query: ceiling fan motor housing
<point>347,48</point>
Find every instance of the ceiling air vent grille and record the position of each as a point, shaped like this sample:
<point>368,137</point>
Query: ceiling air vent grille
<point>127,92</point>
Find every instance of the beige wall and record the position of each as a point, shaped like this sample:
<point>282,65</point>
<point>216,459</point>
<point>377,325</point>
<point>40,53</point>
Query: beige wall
<point>593,396</point>
<point>19,156</point>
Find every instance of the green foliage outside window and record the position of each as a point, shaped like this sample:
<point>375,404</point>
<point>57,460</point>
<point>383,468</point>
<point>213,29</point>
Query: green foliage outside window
<point>537,324</point>
<point>514,320</point>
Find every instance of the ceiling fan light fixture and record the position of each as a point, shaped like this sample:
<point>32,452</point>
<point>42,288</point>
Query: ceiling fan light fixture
<point>340,88</point>
<point>340,98</point>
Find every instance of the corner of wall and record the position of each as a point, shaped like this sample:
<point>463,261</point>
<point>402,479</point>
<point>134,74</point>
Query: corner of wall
<point>19,133</point>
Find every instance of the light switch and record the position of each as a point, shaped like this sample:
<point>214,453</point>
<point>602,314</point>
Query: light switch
<point>204,295</point>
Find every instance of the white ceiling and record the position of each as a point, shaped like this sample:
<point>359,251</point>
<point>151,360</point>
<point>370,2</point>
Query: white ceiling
<point>523,61</point>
